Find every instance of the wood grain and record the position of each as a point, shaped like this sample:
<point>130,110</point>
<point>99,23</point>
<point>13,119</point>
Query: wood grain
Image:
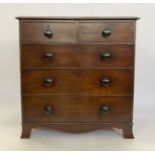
<point>34,32</point>
<point>76,95</point>
<point>120,32</point>
<point>78,82</point>
<point>77,56</point>
<point>76,18</point>
<point>76,109</point>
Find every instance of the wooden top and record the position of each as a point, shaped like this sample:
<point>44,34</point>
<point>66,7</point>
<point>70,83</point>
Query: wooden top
<point>75,18</point>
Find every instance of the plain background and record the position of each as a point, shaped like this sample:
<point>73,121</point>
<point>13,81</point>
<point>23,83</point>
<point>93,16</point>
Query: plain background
<point>144,109</point>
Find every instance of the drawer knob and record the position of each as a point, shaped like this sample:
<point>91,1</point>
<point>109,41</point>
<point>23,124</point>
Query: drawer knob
<point>48,109</point>
<point>105,109</point>
<point>106,33</point>
<point>48,81</point>
<point>105,56</point>
<point>48,33</point>
<point>48,56</point>
<point>105,82</point>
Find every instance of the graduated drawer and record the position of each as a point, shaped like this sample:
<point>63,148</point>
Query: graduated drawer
<point>77,56</point>
<point>107,32</point>
<point>59,109</point>
<point>105,82</point>
<point>48,32</point>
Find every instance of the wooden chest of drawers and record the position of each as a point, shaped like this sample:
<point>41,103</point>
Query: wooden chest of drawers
<point>77,73</point>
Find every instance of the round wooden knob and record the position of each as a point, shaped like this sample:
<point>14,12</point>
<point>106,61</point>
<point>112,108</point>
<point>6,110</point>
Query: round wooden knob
<point>48,109</point>
<point>105,109</point>
<point>105,56</point>
<point>106,33</point>
<point>105,82</point>
<point>48,56</point>
<point>48,33</point>
<point>48,81</point>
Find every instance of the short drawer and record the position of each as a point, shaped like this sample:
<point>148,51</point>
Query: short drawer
<point>48,32</point>
<point>95,109</point>
<point>107,32</point>
<point>104,82</point>
<point>77,56</point>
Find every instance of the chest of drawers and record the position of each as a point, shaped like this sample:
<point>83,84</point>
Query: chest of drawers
<point>77,73</point>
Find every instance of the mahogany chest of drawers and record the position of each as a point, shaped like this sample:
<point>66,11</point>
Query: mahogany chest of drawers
<point>77,73</point>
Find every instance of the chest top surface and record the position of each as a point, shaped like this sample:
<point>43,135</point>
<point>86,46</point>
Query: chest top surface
<point>76,18</point>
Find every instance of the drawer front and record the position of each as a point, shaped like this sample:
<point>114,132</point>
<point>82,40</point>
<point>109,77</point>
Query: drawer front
<point>59,109</point>
<point>106,32</point>
<point>77,56</point>
<point>48,32</point>
<point>104,82</point>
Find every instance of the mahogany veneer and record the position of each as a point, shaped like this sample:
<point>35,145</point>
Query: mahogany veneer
<point>77,73</point>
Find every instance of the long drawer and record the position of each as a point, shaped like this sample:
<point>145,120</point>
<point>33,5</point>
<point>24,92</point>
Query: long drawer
<point>59,109</point>
<point>105,82</point>
<point>77,56</point>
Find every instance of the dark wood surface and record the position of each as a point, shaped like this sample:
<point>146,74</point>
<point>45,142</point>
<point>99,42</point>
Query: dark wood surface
<point>122,32</point>
<point>76,109</point>
<point>73,32</point>
<point>77,17</point>
<point>62,32</point>
<point>78,82</point>
<point>76,69</point>
<point>78,127</point>
<point>77,56</point>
